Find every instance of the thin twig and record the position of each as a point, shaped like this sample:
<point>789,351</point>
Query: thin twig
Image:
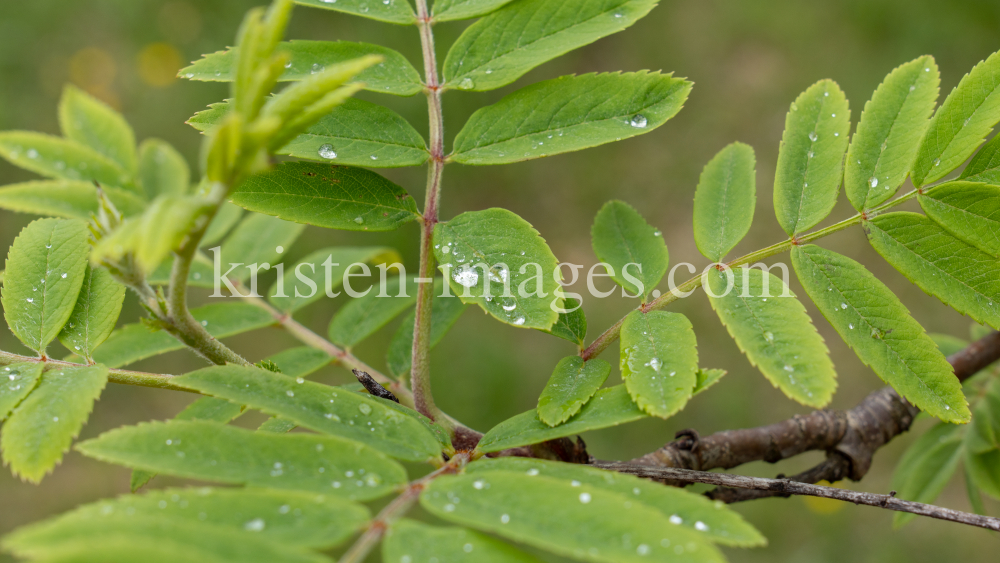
<point>790,487</point>
<point>123,376</point>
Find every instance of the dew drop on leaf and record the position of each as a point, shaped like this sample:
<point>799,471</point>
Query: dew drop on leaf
<point>327,152</point>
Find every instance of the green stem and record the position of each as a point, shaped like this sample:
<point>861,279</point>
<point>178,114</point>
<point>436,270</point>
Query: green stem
<point>123,376</point>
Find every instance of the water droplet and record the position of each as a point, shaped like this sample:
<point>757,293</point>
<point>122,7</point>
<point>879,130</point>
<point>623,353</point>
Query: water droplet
<point>643,549</point>
<point>789,368</point>
<point>204,323</point>
<point>813,136</point>
<point>532,472</point>
<point>30,300</point>
<point>843,305</point>
<point>290,393</point>
<point>833,115</point>
<point>619,15</point>
<point>466,276</point>
<point>449,508</point>
<point>769,336</point>
<point>55,419</point>
<point>585,498</point>
<point>655,364</point>
<point>912,88</point>
<point>317,68</point>
<point>365,409</point>
<point>359,220</point>
<point>373,157</point>
<point>467,548</point>
<point>675,519</point>
<point>519,321</point>
<point>478,485</point>
<point>32,153</point>
<point>189,75</point>
<point>836,134</point>
<point>466,84</point>
<point>851,326</point>
<point>700,526</point>
<point>947,408</point>
<point>810,154</point>
<point>288,64</point>
<point>284,509</point>
<point>967,120</point>
<point>327,152</point>
<point>639,121</point>
<point>509,307</point>
<point>937,162</point>
<point>255,525</point>
<point>795,107</point>
<point>504,518</point>
<point>873,181</point>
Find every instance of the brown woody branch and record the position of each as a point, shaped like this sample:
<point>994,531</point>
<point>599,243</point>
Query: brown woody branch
<point>788,487</point>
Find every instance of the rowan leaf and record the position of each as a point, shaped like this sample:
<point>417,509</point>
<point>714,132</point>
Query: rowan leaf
<point>319,407</point>
<point>16,381</point>
<point>42,427</point>
<point>243,245</point>
<point>568,114</point>
<point>55,157</point>
<point>961,124</point>
<point>926,467</point>
<point>621,237</point>
<point>969,211</point>
<point>450,10</point>
<point>394,75</point>
<point>336,197</point>
<point>45,269</point>
<point>885,144</point>
<point>688,510</point>
<point>135,342</point>
<point>97,309</point>
<point>571,326</point>
<point>393,11</point>
<point>408,540</point>
<point>359,318</point>
<point>873,322</point>
<point>659,361</point>
<point>505,45</point>
<point>985,166</point>
<point>311,279</point>
<point>772,328</point>
<point>162,170</point>
<point>810,158</point>
<point>606,526</point>
<point>497,260</point>
<point>72,199</point>
<point>226,218</point>
<point>210,451</point>
<point>961,276</point>
<point>355,133</point>
<point>92,123</point>
<point>445,312</point>
<point>724,201</point>
<point>572,384</point>
<point>609,407</point>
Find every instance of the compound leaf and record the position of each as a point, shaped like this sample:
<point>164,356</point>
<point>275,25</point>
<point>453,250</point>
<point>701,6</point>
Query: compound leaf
<point>359,318</point>
<point>873,322</point>
<point>568,114</point>
<point>621,237</point>
<point>572,384</point>
<point>96,312</point>
<point>775,333</point>
<point>72,199</point>
<point>393,11</point>
<point>55,157</point>
<point>502,47</point>
<point>445,311</point>
<point>336,197</point>
<point>488,256</point>
<point>961,276</point>
<point>41,428</point>
<point>961,124</point>
<point>216,452</point>
<point>16,381</point>
<point>885,144</point>
<point>162,170</point>
<point>810,158</point>
<point>45,269</point>
<point>724,201</point>
<point>659,361</point>
<point>450,10</point>
<point>967,210</point>
<point>926,467</point>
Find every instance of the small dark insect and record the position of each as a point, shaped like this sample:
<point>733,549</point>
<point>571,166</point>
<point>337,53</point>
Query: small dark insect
<point>373,386</point>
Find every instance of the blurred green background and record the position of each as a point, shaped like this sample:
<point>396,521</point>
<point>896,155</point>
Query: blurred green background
<point>748,61</point>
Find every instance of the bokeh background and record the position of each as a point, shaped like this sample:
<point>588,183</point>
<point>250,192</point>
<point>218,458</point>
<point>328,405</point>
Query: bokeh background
<point>748,61</point>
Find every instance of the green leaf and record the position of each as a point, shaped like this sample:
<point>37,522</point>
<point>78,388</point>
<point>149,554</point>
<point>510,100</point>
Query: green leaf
<point>395,75</point>
<point>609,407</point>
<point>621,237</point>
<point>336,197</point>
<point>707,378</point>
<point>276,425</point>
<point>984,433</point>
<point>16,381</point>
<point>226,218</point>
<point>568,114</point>
<point>393,11</point>
<point>408,540</point>
<point>42,427</point>
<point>72,199</point>
<point>319,407</point>
<point>553,514</point>
<point>961,124</point>
<point>355,133</point>
<point>985,166</point>
<point>885,144</point>
<point>659,361</point>
<point>444,313</point>
<point>926,467</point>
<point>724,201</point>
<point>502,47</point>
<point>45,269</point>
<point>92,123</point>
<point>775,333</point>
<point>572,384</point>
<point>296,285</point>
<point>290,518</point>
<point>975,497</point>
<point>571,326</point>
<point>490,256</point>
<point>244,244</point>
<point>810,158</point>
<point>984,470</point>
<point>210,451</point>
<point>359,318</point>
<point>696,513</point>
<point>96,312</point>
<point>135,342</point>
<point>301,362</point>
<point>873,322</point>
<point>162,170</point>
<point>948,344</point>
<point>450,10</point>
<point>55,157</point>
<point>967,210</point>
<point>961,276</point>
